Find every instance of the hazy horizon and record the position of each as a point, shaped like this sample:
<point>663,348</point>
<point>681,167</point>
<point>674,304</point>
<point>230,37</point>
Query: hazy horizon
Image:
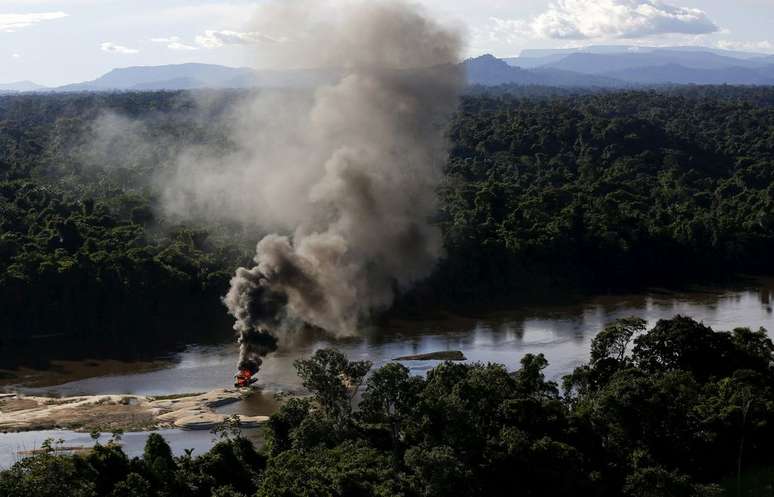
<point>37,44</point>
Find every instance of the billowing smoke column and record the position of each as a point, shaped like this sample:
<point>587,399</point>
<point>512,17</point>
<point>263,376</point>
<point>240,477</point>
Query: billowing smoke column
<point>353,170</point>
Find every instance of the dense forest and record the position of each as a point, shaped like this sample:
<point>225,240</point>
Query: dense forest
<point>677,411</point>
<point>83,251</point>
<point>608,190</point>
<point>545,191</point>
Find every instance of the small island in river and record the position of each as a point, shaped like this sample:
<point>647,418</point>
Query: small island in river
<point>446,355</point>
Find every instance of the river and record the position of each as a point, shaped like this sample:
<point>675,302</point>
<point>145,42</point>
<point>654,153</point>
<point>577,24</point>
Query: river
<point>562,332</point>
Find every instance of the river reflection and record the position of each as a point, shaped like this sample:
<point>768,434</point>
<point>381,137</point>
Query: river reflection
<point>562,332</point>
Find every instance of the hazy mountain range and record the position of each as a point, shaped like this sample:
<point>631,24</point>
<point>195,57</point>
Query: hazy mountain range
<point>185,77</point>
<point>596,66</point>
<point>21,86</point>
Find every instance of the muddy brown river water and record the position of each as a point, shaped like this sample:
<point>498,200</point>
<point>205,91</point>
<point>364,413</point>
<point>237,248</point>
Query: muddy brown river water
<point>562,332</point>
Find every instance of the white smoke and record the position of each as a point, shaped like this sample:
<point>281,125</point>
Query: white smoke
<point>346,172</point>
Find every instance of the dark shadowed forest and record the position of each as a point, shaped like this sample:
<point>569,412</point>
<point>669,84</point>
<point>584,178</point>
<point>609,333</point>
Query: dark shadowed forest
<point>545,192</point>
<point>606,191</point>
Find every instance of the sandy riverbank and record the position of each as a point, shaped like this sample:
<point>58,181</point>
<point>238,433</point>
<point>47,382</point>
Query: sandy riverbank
<point>58,372</point>
<point>119,412</point>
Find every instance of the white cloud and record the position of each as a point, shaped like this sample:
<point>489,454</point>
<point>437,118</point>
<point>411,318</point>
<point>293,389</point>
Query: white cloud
<point>111,47</point>
<point>13,22</point>
<point>622,19</point>
<point>217,39</point>
<point>16,56</point>
<point>208,13</point>
<point>174,43</point>
<point>749,46</point>
<point>505,33</point>
<point>170,39</point>
<point>510,30</point>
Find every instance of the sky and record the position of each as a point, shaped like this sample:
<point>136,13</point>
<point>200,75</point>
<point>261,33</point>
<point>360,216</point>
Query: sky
<point>55,42</point>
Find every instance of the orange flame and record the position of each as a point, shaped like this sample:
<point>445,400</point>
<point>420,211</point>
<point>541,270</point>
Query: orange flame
<point>242,378</point>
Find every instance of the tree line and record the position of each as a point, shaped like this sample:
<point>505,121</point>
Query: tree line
<point>606,191</point>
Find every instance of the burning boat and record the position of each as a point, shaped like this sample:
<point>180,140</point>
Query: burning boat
<point>244,378</point>
<point>254,344</point>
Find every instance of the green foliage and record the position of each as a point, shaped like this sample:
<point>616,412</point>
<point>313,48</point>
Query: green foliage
<point>389,401</point>
<point>284,423</point>
<point>333,380</point>
<point>349,470</point>
<point>436,470</point>
<point>110,466</point>
<point>230,428</point>
<point>85,250</point>
<point>606,190</point>
<point>47,475</point>
<point>157,457</point>
<point>658,482</point>
<point>226,491</point>
<point>613,341</point>
<point>133,486</point>
<point>530,380</point>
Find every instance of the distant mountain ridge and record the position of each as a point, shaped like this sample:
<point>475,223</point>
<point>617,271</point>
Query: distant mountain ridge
<point>656,66</point>
<point>20,86</point>
<point>622,49</point>
<point>604,63</point>
<point>175,76</point>
<point>681,75</point>
<point>488,70</point>
<point>193,76</point>
<point>589,67</point>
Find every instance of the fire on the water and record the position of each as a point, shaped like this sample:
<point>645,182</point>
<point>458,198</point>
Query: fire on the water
<point>253,346</point>
<point>244,378</point>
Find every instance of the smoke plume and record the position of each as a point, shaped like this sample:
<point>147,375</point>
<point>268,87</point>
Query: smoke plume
<point>347,171</point>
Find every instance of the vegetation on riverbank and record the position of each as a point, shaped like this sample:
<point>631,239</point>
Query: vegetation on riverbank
<point>678,411</point>
<point>543,193</point>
